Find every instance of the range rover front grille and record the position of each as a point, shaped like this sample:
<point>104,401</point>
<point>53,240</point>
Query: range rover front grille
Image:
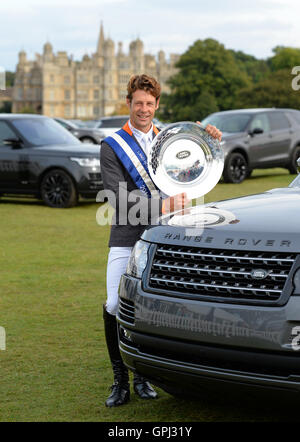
<point>215,274</point>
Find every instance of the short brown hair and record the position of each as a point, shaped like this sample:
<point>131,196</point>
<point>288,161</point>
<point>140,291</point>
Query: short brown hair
<point>143,82</point>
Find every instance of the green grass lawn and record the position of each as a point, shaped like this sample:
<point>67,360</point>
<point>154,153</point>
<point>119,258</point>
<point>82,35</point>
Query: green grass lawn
<point>55,366</point>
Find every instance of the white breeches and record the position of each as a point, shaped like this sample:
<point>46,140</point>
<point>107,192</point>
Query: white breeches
<point>117,262</point>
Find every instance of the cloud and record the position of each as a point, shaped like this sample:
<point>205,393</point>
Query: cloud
<point>171,25</point>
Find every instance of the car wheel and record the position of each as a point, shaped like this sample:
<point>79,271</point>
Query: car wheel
<point>293,167</point>
<point>235,169</point>
<point>87,140</point>
<point>58,190</point>
<point>249,173</point>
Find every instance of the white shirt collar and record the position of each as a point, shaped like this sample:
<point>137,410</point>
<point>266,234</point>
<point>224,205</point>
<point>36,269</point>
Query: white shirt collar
<point>145,139</point>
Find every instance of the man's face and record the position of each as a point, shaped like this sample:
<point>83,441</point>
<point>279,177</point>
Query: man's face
<point>142,108</point>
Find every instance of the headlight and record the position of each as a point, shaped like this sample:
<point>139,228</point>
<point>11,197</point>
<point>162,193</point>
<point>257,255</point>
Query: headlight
<point>296,282</point>
<point>87,162</point>
<point>138,259</point>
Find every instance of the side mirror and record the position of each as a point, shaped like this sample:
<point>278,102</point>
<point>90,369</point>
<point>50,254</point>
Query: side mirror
<point>15,143</point>
<point>256,131</point>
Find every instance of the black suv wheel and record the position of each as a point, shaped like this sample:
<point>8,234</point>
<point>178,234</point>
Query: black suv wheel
<point>235,169</point>
<point>88,140</point>
<point>58,190</point>
<point>293,167</point>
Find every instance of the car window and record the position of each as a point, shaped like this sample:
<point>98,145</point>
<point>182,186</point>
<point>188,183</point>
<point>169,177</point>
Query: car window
<point>6,133</point>
<point>295,115</point>
<point>228,122</point>
<point>44,131</point>
<point>114,122</point>
<point>260,121</point>
<point>278,121</point>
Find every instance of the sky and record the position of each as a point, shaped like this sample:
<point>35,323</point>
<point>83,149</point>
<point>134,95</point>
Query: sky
<point>254,27</point>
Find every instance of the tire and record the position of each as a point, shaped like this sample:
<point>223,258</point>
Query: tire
<point>293,167</point>
<point>249,173</point>
<point>58,190</point>
<point>87,140</point>
<point>235,169</point>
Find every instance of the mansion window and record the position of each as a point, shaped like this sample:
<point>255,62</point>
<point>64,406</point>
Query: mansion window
<point>96,111</point>
<point>67,111</point>
<point>123,78</point>
<point>51,95</point>
<point>82,94</point>
<point>20,93</point>
<point>83,78</point>
<point>82,111</point>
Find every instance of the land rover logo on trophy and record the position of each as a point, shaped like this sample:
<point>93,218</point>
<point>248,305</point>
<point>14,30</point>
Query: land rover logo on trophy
<point>259,274</point>
<point>183,154</point>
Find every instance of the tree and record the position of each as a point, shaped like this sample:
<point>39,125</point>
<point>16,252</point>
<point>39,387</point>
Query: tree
<point>275,90</point>
<point>9,78</point>
<point>208,80</point>
<point>6,107</point>
<point>256,69</point>
<point>284,58</point>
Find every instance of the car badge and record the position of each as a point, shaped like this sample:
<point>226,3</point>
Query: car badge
<point>259,274</point>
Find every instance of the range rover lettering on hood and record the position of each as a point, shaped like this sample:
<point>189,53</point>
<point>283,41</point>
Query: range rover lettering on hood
<point>229,241</point>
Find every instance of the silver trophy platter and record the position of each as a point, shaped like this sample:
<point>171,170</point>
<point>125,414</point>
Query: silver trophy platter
<point>185,158</point>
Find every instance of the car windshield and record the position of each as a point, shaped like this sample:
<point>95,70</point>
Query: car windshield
<point>44,131</point>
<point>228,122</point>
<point>88,124</point>
<point>112,122</point>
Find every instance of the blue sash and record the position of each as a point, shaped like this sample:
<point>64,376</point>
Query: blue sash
<point>133,158</point>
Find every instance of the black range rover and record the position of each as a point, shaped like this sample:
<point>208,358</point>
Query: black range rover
<point>212,297</point>
<point>38,157</point>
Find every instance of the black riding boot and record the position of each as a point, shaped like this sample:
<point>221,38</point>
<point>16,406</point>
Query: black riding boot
<point>120,389</point>
<point>143,388</point>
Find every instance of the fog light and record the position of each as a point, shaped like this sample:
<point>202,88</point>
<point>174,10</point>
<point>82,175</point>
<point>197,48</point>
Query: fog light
<point>126,334</point>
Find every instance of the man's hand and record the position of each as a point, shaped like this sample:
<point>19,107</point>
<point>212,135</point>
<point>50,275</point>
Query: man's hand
<point>213,131</point>
<point>174,203</point>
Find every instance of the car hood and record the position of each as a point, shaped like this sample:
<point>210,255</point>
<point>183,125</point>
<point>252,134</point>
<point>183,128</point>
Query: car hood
<point>64,149</point>
<point>258,222</point>
<point>277,210</point>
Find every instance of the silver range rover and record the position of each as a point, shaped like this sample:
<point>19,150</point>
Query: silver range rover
<point>212,297</point>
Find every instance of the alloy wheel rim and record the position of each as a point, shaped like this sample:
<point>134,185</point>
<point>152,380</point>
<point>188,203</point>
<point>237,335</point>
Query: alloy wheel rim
<point>57,189</point>
<point>238,169</point>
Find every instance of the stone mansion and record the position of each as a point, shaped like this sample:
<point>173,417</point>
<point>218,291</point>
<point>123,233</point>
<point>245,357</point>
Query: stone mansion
<point>57,86</point>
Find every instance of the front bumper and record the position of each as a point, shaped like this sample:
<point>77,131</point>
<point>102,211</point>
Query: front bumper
<point>178,342</point>
<point>89,181</point>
